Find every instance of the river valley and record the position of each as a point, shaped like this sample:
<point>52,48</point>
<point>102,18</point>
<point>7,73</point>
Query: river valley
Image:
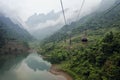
<point>32,67</point>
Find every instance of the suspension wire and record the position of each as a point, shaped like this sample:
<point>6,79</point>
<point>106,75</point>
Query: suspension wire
<point>63,12</point>
<point>79,13</point>
<point>112,9</point>
<point>80,9</point>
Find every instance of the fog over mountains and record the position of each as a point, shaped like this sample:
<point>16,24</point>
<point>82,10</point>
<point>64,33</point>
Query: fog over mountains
<point>43,25</point>
<point>10,29</point>
<point>106,4</point>
<point>36,19</point>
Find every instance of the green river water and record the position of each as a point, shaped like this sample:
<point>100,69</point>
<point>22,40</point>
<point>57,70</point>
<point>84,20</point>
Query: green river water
<point>30,67</point>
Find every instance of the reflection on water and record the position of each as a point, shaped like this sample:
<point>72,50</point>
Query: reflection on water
<point>35,62</point>
<point>31,68</point>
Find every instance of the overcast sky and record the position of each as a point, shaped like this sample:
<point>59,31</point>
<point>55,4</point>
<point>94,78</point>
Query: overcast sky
<point>26,8</point>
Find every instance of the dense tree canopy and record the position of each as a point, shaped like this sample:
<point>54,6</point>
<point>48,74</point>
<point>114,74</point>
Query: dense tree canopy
<point>99,58</point>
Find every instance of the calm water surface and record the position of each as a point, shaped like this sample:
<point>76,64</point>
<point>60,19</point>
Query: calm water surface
<point>33,67</point>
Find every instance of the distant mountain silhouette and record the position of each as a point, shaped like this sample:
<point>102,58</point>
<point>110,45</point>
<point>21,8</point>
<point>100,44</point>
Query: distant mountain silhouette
<point>11,30</point>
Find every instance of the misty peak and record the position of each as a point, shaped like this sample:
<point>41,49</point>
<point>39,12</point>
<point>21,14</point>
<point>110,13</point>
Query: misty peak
<point>51,12</point>
<point>36,19</point>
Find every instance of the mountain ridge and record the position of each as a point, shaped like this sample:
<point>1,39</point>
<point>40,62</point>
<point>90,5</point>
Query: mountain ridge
<point>92,21</point>
<point>12,31</point>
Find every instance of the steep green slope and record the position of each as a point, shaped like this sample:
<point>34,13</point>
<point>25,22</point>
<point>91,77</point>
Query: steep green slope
<point>92,61</point>
<point>99,58</point>
<point>93,21</point>
<point>12,31</point>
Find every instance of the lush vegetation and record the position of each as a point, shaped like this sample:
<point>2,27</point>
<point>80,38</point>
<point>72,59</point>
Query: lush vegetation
<point>11,31</point>
<point>94,21</point>
<point>99,58</point>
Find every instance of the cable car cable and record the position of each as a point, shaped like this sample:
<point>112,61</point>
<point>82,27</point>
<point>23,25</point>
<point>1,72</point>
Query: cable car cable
<point>112,9</point>
<point>63,12</point>
<point>80,9</point>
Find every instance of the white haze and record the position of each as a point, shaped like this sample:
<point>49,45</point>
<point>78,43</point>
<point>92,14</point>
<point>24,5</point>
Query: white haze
<point>23,9</point>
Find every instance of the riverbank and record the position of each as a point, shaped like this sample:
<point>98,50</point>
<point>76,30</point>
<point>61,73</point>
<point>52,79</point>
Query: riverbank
<point>56,71</point>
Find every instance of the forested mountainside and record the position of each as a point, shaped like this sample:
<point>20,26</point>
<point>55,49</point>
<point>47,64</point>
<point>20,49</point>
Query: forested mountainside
<point>12,30</point>
<point>97,59</point>
<point>93,21</point>
<point>12,36</point>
